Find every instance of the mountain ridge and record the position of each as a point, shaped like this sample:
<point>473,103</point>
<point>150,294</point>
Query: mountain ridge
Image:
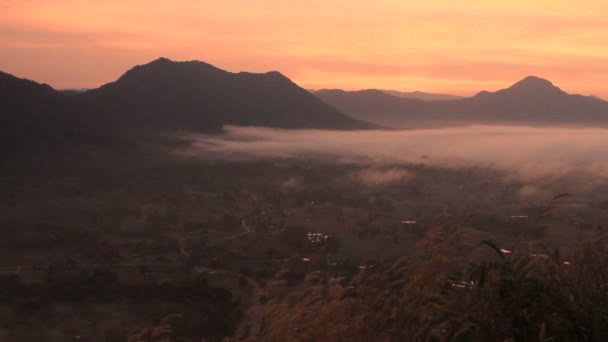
<point>156,97</point>
<point>530,101</point>
<point>195,95</point>
<point>35,118</point>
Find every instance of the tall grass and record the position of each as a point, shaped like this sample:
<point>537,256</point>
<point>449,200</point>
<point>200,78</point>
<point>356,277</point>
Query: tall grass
<point>448,291</point>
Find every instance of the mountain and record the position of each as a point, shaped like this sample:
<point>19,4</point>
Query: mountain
<point>374,106</point>
<point>159,96</point>
<point>197,96</point>
<point>419,95</point>
<point>597,97</point>
<point>36,118</point>
<point>29,110</point>
<point>531,101</point>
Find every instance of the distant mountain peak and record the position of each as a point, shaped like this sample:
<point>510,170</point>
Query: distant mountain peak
<point>162,68</point>
<point>482,93</point>
<point>161,60</point>
<point>534,83</point>
<point>193,68</point>
<point>275,73</point>
<point>166,62</point>
<point>278,76</point>
<point>270,74</point>
<point>194,95</point>
<point>530,86</point>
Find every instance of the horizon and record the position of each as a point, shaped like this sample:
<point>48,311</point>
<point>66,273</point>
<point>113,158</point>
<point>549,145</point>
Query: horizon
<point>387,91</point>
<point>430,47</point>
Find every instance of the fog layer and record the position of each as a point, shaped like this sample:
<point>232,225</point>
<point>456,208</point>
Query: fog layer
<point>528,152</point>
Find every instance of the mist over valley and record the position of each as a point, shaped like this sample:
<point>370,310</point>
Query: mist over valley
<point>188,202</point>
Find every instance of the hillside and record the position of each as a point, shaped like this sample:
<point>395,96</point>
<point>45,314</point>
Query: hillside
<point>157,97</point>
<point>531,101</point>
<point>375,106</point>
<point>197,96</point>
<point>37,118</point>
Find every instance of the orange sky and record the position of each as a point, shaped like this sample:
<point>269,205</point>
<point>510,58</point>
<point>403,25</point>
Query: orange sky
<point>448,46</point>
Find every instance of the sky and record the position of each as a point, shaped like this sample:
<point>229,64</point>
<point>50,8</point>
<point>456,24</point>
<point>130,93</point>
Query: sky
<point>458,47</point>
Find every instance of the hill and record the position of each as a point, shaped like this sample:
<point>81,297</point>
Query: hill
<point>156,97</point>
<point>376,106</point>
<point>197,96</point>
<point>531,101</point>
<point>37,118</point>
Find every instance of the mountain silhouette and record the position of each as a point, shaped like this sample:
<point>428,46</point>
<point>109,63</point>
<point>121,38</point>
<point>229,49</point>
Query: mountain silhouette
<point>164,95</point>
<point>156,97</point>
<point>531,101</point>
<point>196,96</point>
<point>36,118</point>
<point>375,106</point>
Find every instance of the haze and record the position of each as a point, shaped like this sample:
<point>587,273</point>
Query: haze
<point>389,170</point>
<point>532,153</point>
<point>440,46</point>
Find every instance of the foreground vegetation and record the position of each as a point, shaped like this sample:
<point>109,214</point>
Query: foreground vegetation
<point>448,291</point>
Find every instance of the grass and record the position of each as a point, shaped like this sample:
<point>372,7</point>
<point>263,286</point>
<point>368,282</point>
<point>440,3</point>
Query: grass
<point>447,291</point>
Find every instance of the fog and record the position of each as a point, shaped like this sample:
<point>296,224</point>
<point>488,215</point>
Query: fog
<point>528,153</point>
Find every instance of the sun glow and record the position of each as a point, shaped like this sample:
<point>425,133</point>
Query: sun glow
<point>441,46</point>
